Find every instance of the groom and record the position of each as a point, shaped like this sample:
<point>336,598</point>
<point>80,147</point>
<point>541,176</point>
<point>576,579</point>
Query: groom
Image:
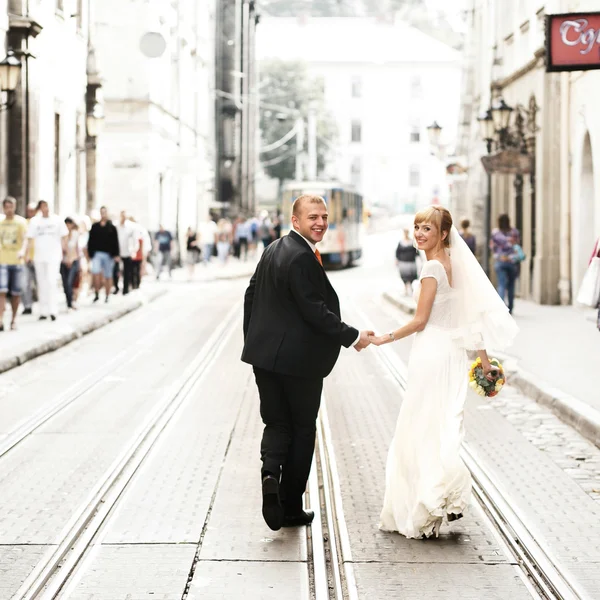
<point>293,334</point>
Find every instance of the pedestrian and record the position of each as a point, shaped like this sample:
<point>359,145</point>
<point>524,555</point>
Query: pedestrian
<point>293,334</point>
<point>224,239</point>
<point>49,233</point>
<point>84,279</point>
<point>103,250</point>
<point>208,238</point>
<point>192,250</point>
<point>29,283</point>
<point>465,234</point>
<point>164,243</point>
<point>505,243</point>
<point>137,256</point>
<point>71,262</point>
<point>265,229</point>
<point>243,238</point>
<point>589,291</point>
<point>406,259</point>
<point>13,232</point>
<point>127,234</point>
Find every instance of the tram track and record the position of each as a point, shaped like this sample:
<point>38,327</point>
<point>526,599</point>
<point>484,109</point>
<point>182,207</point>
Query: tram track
<point>25,427</point>
<point>58,565</point>
<point>548,581</point>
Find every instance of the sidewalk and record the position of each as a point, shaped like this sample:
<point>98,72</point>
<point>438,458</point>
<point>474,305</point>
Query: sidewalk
<point>34,338</point>
<point>554,359</point>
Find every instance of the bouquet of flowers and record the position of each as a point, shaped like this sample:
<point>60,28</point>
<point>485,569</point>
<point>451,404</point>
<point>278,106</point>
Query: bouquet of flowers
<point>479,382</point>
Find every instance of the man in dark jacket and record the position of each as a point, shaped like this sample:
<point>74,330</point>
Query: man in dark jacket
<point>103,250</point>
<point>293,334</point>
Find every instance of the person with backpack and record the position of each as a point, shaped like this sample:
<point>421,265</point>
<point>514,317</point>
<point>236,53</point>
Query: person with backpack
<point>508,254</point>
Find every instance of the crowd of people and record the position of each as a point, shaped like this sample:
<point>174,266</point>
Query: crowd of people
<point>87,255</point>
<point>100,256</point>
<point>223,238</point>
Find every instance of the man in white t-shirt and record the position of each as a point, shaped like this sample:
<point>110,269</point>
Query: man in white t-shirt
<point>208,238</point>
<point>50,235</point>
<point>127,233</point>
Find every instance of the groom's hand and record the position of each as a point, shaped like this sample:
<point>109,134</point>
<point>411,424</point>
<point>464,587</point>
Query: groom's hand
<point>364,340</point>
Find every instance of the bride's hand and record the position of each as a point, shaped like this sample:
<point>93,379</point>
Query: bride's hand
<point>490,372</point>
<point>377,340</point>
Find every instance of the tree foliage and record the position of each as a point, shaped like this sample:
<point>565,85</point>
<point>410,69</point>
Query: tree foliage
<point>287,84</point>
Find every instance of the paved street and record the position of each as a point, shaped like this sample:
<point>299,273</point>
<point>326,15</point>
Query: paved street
<point>129,468</point>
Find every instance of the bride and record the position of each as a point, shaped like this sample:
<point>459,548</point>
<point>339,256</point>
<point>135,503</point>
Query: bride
<point>458,309</point>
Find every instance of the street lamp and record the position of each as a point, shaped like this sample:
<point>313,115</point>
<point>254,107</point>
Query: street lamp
<point>488,132</point>
<point>501,113</point>
<point>434,132</point>
<point>10,69</point>
<point>487,128</point>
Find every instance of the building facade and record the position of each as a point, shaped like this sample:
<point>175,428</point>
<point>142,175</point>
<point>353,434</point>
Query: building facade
<point>43,134</point>
<point>383,94</point>
<point>156,150</point>
<point>557,205</point>
<point>236,105</point>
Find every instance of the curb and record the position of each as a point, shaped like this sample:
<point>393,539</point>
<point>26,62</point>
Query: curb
<point>82,330</point>
<point>576,413</point>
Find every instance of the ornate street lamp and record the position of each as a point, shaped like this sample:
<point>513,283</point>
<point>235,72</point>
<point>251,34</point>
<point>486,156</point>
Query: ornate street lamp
<point>434,132</point>
<point>501,113</point>
<point>10,70</point>
<point>487,128</point>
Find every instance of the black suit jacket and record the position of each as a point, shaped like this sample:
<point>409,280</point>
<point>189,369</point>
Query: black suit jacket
<point>292,321</point>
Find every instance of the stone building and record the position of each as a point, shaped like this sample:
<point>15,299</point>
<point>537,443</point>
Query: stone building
<point>383,93</point>
<point>557,204</point>
<point>156,149</point>
<point>42,145</point>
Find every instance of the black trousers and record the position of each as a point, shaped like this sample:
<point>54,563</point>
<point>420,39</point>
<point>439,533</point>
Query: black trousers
<point>127,271</point>
<point>136,273</point>
<point>289,407</point>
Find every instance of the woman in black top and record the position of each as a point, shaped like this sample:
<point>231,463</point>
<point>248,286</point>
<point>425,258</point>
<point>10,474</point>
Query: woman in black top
<point>406,258</point>
<point>192,251</point>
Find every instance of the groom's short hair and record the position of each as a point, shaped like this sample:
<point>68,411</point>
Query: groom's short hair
<point>300,201</point>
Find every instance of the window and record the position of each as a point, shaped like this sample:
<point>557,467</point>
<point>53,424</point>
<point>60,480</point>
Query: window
<point>357,87</point>
<point>56,163</point>
<point>356,172</point>
<point>416,88</point>
<point>415,135</point>
<point>356,131</point>
<point>60,5</point>
<point>414,178</point>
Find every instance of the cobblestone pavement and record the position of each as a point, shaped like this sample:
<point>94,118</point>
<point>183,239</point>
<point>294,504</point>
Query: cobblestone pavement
<point>188,525</point>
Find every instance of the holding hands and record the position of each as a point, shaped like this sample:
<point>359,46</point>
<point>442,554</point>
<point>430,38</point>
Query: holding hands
<point>364,340</point>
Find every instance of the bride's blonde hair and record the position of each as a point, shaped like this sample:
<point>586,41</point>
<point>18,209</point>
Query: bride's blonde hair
<point>440,217</point>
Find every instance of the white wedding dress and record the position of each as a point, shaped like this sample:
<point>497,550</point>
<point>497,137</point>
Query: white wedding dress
<point>426,480</point>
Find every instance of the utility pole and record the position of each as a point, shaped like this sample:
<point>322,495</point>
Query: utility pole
<point>299,126</point>
<point>312,142</point>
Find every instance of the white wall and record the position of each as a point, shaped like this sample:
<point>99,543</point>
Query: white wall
<point>157,144</point>
<point>58,74</point>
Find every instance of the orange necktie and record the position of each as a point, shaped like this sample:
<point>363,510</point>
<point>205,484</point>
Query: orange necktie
<point>318,255</point>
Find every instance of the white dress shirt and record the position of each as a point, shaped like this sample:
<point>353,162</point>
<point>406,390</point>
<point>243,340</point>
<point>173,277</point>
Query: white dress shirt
<point>313,247</point>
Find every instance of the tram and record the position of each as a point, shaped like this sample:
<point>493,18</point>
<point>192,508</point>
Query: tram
<point>343,242</point>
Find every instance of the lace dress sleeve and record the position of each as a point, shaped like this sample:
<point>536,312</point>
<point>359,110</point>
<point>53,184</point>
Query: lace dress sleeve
<point>434,269</point>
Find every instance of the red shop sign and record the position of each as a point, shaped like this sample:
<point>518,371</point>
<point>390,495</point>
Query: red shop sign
<point>573,41</point>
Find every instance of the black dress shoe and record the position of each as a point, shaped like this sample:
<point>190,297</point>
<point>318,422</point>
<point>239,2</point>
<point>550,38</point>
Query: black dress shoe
<point>271,506</point>
<point>304,518</point>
